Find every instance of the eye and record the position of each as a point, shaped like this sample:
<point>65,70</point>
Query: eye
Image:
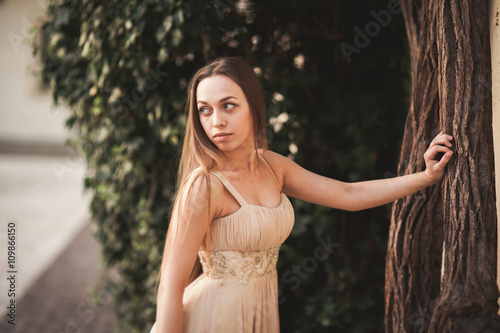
<point>204,110</point>
<point>228,106</point>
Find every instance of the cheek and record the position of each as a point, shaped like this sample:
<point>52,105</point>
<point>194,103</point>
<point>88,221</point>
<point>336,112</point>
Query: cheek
<point>205,124</point>
<point>243,122</point>
<point>249,121</point>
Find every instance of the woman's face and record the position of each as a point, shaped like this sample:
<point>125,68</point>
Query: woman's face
<point>224,113</point>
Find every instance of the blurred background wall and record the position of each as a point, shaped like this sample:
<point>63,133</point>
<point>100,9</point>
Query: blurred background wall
<point>26,116</point>
<point>41,180</point>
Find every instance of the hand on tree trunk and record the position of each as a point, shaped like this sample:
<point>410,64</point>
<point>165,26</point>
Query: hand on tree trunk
<point>437,156</point>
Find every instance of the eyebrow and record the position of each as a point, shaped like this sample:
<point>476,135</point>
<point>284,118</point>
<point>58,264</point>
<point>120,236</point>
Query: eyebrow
<point>222,100</point>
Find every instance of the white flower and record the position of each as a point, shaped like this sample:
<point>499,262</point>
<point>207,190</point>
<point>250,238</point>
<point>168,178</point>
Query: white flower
<point>277,97</point>
<point>277,122</point>
<point>298,61</point>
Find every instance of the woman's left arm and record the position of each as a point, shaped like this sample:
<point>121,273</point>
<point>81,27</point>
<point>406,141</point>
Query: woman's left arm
<point>305,185</point>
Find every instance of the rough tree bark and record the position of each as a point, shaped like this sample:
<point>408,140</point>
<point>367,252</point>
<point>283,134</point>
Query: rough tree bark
<point>413,261</point>
<point>451,80</point>
<point>469,293</point>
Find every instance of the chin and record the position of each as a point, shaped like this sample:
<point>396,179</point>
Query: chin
<point>225,149</point>
<point>222,146</point>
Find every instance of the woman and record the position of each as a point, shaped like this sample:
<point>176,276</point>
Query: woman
<point>232,210</point>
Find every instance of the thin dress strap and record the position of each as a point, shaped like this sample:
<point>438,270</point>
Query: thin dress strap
<point>230,188</point>
<point>276,179</point>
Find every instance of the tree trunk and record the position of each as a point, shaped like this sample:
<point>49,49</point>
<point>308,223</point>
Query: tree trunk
<point>413,261</point>
<point>451,80</point>
<point>469,293</point>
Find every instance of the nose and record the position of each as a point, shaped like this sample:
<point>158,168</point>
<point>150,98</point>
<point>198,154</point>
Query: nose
<point>219,120</point>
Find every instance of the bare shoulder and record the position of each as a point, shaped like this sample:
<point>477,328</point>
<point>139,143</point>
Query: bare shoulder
<point>273,157</point>
<point>279,163</point>
<point>205,182</point>
<point>199,187</point>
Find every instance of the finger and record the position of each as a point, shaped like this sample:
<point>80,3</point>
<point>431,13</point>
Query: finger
<point>444,160</point>
<point>435,140</point>
<point>442,139</point>
<point>436,150</point>
<point>447,139</point>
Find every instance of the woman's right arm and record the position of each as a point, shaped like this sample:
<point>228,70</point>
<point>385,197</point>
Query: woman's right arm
<point>189,229</point>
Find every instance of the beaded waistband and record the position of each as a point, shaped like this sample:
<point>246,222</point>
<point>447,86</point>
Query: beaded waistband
<point>243,265</point>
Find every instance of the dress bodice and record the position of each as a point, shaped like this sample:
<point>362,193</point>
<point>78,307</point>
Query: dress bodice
<point>238,290</point>
<point>245,243</point>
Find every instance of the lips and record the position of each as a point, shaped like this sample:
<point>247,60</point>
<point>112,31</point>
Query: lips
<point>222,136</point>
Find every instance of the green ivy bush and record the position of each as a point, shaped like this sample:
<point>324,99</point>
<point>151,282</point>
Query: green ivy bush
<point>122,68</point>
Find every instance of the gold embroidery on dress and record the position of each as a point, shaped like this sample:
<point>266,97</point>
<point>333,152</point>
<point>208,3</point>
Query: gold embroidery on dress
<point>242,264</point>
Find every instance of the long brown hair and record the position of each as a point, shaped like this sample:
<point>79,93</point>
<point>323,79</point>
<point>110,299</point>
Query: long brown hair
<point>199,155</point>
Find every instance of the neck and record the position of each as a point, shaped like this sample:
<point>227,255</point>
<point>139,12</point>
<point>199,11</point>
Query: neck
<point>241,159</point>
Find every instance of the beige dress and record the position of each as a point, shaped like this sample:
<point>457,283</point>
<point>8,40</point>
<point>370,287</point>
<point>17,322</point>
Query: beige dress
<point>238,289</point>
